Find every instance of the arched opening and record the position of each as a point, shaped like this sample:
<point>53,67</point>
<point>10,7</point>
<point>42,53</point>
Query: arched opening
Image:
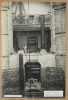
<point>32,71</point>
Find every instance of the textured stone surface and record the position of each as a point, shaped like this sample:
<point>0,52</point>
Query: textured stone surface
<point>60,42</point>
<point>55,77</point>
<point>60,22</point>
<point>5,45</point>
<point>45,59</point>
<point>61,62</point>
<point>10,29</point>
<point>10,78</point>
<point>60,31</point>
<point>13,61</point>
<point>6,33</point>
<point>5,62</point>
<point>4,22</point>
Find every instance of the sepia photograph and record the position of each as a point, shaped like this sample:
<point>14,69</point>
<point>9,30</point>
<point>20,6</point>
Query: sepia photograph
<point>33,42</point>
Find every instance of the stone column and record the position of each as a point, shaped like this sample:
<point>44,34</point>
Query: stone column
<point>42,32</point>
<point>52,27</point>
<point>10,29</point>
<point>60,33</point>
<point>4,35</point>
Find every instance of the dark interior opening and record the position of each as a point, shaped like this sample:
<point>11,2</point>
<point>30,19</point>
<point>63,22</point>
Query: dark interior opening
<point>48,41</point>
<point>33,41</point>
<point>32,70</point>
<point>15,41</point>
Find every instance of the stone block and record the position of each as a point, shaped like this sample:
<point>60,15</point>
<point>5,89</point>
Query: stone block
<point>4,22</point>
<point>61,62</point>
<point>60,42</point>
<point>60,22</point>
<point>5,62</point>
<point>5,45</point>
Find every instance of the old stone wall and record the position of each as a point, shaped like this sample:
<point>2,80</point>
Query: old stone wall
<point>10,73</point>
<point>10,79</point>
<point>60,33</point>
<point>6,33</point>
